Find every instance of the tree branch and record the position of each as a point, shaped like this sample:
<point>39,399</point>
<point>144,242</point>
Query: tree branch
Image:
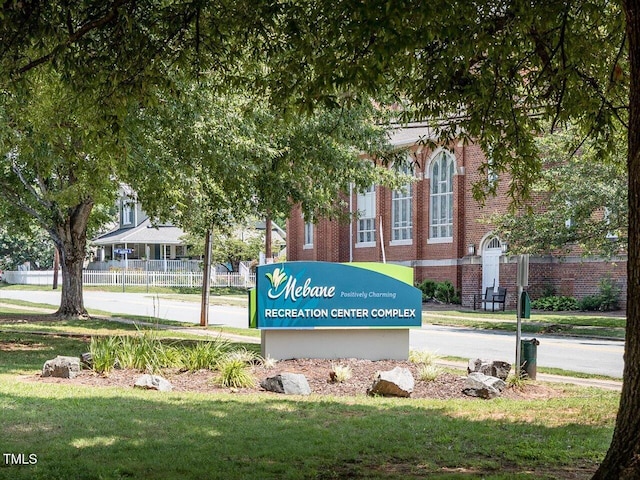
<point>111,14</point>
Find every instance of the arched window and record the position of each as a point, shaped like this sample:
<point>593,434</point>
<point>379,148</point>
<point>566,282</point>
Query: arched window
<point>441,199</point>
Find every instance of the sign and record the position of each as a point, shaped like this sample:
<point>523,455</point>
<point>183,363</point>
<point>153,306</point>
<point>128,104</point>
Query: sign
<point>122,251</point>
<point>333,295</point>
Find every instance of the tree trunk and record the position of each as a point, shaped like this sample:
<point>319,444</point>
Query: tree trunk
<point>70,237</point>
<point>623,457</point>
<point>267,238</point>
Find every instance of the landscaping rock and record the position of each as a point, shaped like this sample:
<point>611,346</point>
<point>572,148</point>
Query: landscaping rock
<point>87,360</point>
<point>61,367</point>
<point>287,383</point>
<point>483,386</point>
<point>153,382</point>
<point>492,368</point>
<point>398,382</point>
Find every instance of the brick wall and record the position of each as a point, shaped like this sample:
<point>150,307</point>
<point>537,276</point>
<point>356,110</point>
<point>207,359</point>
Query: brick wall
<point>336,242</point>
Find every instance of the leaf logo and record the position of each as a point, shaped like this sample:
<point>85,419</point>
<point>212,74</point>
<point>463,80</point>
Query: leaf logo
<point>276,278</point>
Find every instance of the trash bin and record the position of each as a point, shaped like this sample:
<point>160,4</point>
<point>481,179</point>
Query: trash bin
<point>529,357</point>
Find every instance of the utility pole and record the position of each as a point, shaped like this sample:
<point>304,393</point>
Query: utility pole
<point>206,280</point>
<point>267,237</point>
<point>523,281</point>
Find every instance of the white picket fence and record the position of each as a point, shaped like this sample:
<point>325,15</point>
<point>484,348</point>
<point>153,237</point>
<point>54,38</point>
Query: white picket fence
<point>135,278</point>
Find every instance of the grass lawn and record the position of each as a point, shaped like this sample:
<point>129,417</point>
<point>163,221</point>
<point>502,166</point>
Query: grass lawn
<point>66,431</point>
<point>565,323</point>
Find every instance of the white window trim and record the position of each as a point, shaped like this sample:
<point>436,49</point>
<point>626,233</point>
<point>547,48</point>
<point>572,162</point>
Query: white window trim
<point>396,243</point>
<point>436,240</point>
<point>365,244</point>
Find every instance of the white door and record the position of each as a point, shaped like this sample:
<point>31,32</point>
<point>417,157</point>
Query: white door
<point>490,269</point>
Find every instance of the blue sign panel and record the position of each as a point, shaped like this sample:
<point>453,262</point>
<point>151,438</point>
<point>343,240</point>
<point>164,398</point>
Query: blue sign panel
<point>323,294</point>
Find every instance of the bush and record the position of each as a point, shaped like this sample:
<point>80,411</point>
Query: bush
<point>444,292</point>
<point>428,288</point>
<point>556,303</point>
<point>606,300</point>
<point>234,372</point>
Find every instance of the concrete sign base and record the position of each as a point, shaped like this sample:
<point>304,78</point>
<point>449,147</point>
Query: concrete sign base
<point>370,344</point>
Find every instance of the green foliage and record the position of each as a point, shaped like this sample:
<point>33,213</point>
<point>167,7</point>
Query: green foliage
<point>428,373</point>
<point>607,299</point>
<point>233,372</point>
<point>202,355</point>
<point>556,303</point>
<point>428,288</point>
<point>574,204</point>
<point>423,357</point>
<point>33,246</point>
<point>443,292</point>
<point>147,352</point>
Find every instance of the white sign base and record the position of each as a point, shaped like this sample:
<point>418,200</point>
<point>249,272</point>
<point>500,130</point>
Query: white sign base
<point>370,344</point>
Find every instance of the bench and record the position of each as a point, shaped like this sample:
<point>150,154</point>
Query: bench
<point>498,296</point>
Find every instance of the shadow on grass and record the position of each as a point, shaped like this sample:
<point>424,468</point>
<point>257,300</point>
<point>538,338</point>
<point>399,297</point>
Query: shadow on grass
<point>83,432</point>
<point>78,432</point>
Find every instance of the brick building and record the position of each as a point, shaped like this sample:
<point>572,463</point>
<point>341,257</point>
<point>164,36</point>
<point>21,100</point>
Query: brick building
<point>436,227</point>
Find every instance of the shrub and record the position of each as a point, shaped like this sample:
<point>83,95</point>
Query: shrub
<point>423,357</point>
<point>444,292</point>
<point>589,303</point>
<point>555,303</point>
<point>428,288</point>
<point>606,300</point>
<point>103,353</point>
<point>609,295</point>
<point>202,355</point>
<point>340,373</point>
<point>233,372</point>
<point>428,373</point>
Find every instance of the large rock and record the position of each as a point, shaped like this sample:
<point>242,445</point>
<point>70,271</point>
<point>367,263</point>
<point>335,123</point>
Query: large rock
<point>287,383</point>
<point>492,368</point>
<point>153,382</point>
<point>393,383</point>
<point>483,386</point>
<point>62,367</point>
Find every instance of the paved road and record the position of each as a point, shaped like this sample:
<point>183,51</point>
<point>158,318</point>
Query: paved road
<point>592,356</point>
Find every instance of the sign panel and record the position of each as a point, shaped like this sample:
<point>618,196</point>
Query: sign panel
<point>122,251</point>
<point>333,295</point>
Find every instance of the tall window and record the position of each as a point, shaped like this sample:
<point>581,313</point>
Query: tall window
<point>308,235</point>
<point>367,215</point>
<point>127,212</point>
<point>441,200</point>
<point>402,211</point>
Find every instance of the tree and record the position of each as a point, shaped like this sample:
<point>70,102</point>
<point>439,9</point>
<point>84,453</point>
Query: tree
<point>237,157</point>
<point>56,165</point>
<point>70,75</point>
<point>78,81</point>
<point>496,72</point>
<point>17,248</point>
<point>573,203</point>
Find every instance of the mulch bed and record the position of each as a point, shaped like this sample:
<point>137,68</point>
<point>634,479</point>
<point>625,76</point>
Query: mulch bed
<point>446,386</point>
